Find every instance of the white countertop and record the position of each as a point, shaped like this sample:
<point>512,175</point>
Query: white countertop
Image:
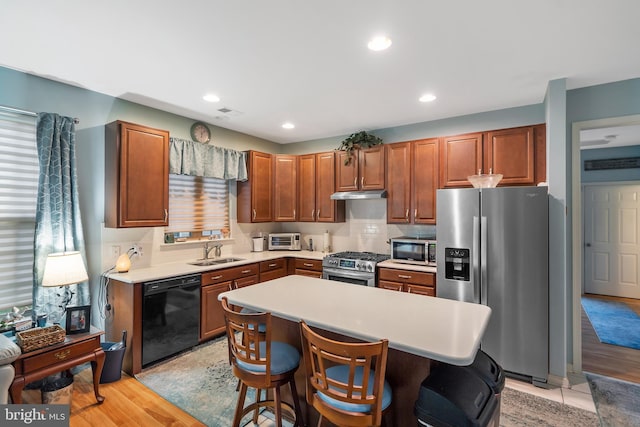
<point>403,266</point>
<point>172,269</point>
<point>436,328</point>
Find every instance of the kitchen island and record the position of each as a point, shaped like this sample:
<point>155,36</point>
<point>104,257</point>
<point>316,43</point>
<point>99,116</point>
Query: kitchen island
<point>419,329</point>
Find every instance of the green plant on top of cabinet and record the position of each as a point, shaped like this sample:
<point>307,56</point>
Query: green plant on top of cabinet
<point>364,172</point>
<point>316,183</point>
<point>285,183</point>
<point>412,181</point>
<point>136,176</point>
<point>255,201</point>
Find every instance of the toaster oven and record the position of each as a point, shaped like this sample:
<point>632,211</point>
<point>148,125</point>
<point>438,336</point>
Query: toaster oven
<point>284,242</point>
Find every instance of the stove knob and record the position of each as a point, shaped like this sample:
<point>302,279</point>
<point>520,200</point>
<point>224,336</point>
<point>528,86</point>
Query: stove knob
<point>369,267</point>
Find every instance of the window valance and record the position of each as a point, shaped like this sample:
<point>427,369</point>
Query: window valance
<point>196,159</point>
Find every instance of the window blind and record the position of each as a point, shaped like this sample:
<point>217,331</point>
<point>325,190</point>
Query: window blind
<point>18,193</point>
<point>197,203</point>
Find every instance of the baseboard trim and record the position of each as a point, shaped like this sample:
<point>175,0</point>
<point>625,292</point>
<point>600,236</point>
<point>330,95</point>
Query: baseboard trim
<point>558,381</point>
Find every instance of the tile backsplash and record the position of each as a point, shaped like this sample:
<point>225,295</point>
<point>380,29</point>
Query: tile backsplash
<point>365,229</point>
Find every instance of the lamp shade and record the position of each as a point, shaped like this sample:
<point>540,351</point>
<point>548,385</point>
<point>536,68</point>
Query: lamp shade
<point>64,268</point>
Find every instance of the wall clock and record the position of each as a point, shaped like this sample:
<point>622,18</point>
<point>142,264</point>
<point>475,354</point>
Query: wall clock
<point>200,132</point>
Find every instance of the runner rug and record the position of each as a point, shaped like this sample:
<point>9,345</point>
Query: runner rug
<point>614,322</point>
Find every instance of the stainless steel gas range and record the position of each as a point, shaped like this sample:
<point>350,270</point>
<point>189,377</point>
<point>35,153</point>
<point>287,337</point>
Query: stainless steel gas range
<point>358,268</point>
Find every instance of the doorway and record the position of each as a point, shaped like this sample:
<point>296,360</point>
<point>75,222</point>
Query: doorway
<point>578,245</point>
<point>611,216</point>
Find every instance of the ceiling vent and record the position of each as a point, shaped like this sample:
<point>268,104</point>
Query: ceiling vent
<point>227,113</point>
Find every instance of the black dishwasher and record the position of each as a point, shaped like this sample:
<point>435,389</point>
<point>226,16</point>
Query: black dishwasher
<point>170,317</point>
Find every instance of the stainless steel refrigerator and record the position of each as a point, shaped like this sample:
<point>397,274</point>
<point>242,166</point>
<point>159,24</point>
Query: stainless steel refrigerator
<point>492,249</point>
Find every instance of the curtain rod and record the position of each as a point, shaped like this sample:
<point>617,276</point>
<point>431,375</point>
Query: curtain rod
<point>28,113</point>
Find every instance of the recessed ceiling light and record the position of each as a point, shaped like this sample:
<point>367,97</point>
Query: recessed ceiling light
<point>210,97</point>
<point>428,97</point>
<point>288,125</point>
<point>379,43</point>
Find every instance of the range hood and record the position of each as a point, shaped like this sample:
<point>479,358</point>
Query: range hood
<point>359,195</point>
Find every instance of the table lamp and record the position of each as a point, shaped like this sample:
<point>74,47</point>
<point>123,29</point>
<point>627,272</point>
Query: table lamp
<point>63,269</point>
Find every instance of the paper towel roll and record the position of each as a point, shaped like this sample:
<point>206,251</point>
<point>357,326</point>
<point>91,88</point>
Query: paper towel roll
<point>326,242</point>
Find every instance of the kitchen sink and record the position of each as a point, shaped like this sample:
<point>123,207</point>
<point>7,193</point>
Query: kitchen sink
<point>215,261</point>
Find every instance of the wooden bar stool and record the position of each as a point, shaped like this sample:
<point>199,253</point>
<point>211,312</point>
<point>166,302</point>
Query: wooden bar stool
<point>260,363</point>
<point>345,381</point>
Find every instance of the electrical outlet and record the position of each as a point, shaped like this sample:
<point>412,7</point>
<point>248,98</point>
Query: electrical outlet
<point>115,251</point>
<point>137,249</point>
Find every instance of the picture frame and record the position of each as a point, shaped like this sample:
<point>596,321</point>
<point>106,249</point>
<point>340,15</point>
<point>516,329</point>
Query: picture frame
<point>78,319</point>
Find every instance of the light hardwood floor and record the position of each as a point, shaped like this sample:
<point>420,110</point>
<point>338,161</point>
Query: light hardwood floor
<point>606,359</point>
<point>127,403</point>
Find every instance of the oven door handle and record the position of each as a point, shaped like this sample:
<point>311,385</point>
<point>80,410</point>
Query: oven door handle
<point>350,274</point>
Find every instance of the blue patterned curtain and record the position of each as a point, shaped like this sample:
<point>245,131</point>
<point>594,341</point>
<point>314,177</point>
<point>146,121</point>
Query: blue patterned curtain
<point>58,225</point>
<point>196,159</point>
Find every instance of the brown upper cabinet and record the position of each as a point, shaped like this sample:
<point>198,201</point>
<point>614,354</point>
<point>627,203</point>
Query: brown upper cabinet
<point>516,153</point>
<point>285,168</point>
<point>412,181</point>
<point>316,183</point>
<point>136,176</point>
<point>255,201</point>
<point>365,170</point>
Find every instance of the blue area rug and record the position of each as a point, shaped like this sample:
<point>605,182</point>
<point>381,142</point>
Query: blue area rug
<point>614,322</point>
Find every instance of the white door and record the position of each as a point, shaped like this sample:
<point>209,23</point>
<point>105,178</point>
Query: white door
<point>612,240</point>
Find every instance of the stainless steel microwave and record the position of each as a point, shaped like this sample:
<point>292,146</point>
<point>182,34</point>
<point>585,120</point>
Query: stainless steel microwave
<point>411,250</point>
<point>284,242</point>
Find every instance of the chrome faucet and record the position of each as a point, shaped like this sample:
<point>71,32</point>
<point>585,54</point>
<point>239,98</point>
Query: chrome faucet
<point>206,249</point>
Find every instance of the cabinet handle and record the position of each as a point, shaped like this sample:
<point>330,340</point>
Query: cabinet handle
<point>406,214</point>
<point>254,214</point>
<point>402,276</point>
<point>362,183</point>
<point>216,277</point>
<point>166,215</point>
<point>294,214</point>
<point>246,271</point>
<point>61,355</point>
<point>306,264</point>
<point>273,265</point>
<point>318,214</point>
<point>355,182</point>
<point>409,290</point>
<point>313,211</point>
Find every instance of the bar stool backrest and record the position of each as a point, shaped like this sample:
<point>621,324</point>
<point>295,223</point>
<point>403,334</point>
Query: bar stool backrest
<point>358,359</point>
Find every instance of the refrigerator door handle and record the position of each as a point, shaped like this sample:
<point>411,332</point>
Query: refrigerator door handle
<point>484,281</point>
<point>475,260</point>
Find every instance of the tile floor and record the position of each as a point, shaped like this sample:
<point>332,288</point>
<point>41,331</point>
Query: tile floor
<point>578,395</point>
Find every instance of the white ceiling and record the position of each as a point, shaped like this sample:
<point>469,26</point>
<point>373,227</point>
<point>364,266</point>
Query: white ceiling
<point>609,137</point>
<point>307,62</point>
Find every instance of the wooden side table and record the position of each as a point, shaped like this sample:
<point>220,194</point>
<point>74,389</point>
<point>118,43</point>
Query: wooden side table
<point>74,351</point>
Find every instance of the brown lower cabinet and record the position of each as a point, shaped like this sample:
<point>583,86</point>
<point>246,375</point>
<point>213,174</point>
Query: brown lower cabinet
<point>213,284</point>
<point>415,282</point>
<point>273,269</point>
<point>307,267</point>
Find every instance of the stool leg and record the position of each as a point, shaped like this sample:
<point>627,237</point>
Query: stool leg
<point>296,403</point>
<point>255,412</point>
<point>240,405</point>
<point>278,401</point>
